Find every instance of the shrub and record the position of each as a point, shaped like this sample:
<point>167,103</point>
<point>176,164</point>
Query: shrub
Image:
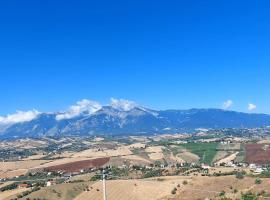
<point>222,193</point>
<point>249,196</point>
<point>239,175</point>
<point>225,198</point>
<point>258,181</point>
<point>96,178</point>
<point>174,191</point>
<point>160,179</point>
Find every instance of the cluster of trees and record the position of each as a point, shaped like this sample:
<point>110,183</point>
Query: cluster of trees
<point>13,154</point>
<point>8,187</point>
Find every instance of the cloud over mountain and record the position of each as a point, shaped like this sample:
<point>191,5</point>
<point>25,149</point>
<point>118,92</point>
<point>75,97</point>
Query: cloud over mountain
<point>227,104</point>
<point>84,105</point>
<point>123,117</point>
<point>19,116</point>
<point>251,106</point>
<point>122,104</point>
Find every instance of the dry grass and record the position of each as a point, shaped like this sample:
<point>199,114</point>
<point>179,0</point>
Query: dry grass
<point>220,155</point>
<point>14,173</point>
<point>177,158</point>
<point>196,188</point>
<point>22,144</point>
<point>18,168</point>
<point>8,166</point>
<point>156,156</point>
<point>188,157</point>
<point>154,149</point>
<point>66,191</point>
<point>131,189</point>
<point>266,141</point>
<point>3,184</point>
<point>97,153</point>
<point>34,157</point>
<point>135,158</point>
<point>11,193</point>
<point>228,158</point>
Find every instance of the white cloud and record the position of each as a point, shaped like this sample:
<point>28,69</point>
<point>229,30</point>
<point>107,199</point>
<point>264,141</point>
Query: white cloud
<point>84,105</point>
<point>122,104</point>
<point>227,104</point>
<point>251,106</point>
<point>19,116</point>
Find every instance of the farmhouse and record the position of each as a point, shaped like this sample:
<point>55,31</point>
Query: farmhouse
<point>50,183</point>
<point>258,170</point>
<point>204,166</point>
<point>23,185</point>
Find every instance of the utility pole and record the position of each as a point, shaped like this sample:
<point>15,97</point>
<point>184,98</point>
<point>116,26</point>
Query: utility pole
<point>104,185</point>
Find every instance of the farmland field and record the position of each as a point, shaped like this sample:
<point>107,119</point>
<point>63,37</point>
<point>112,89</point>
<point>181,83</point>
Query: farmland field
<point>206,151</point>
<point>78,165</point>
<point>257,153</point>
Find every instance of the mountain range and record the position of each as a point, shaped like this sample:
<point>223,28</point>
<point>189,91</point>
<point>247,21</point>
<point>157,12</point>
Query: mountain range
<point>125,118</point>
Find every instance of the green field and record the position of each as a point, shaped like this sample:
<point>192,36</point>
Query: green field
<point>206,151</point>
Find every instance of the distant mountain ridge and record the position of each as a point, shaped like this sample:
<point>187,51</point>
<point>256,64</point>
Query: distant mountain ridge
<point>135,120</point>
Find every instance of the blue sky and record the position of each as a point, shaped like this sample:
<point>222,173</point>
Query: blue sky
<point>161,54</point>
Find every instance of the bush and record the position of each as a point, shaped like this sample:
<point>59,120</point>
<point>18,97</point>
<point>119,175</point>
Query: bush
<point>160,179</point>
<point>222,193</point>
<point>258,181</point>
<point>249,196</point>
<point>225,198</point>
<point>185,182</point>
<point>174,191</point>
<point>152,173</point>
<point>96,178</point>
<point>239,175</point>
<point>25,193</point>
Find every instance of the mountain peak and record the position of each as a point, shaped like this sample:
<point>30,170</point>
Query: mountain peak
<point>123,117</point>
